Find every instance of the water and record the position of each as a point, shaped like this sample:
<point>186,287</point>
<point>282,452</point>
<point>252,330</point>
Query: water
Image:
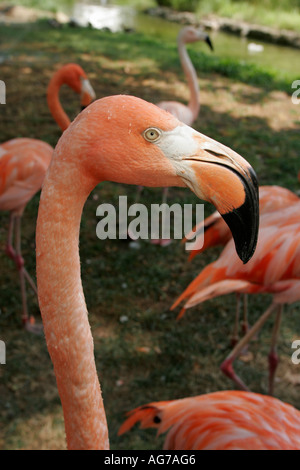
<point>285,60</point>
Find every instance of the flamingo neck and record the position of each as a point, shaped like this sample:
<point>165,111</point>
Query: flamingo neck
<point>191,76</point>
<point>54,104</point>
<point>63,309</point>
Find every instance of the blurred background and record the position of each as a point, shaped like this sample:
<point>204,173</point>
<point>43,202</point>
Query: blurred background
<point>142,353</point>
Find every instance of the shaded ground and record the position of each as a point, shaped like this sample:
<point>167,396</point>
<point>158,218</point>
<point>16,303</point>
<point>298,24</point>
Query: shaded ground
<point>149,356</point>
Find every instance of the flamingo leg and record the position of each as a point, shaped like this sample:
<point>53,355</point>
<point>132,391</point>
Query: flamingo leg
<point>11,252</point>
<point>235,335</point>
<point>9,244</point>
<point>165,195</point>
<point>28,322</point>
<point>227,365</point>
<point>20,266</point>
<point>138,193</point>
<point>30,281</point>
<point>273,356</point>
<point>245,324</point>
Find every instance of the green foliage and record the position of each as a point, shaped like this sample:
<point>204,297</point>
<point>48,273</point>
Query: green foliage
<point>273,13</point>
<point>180,5</point>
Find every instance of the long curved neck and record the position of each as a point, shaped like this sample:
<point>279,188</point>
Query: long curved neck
<point>190,73</point>
<point>62,304</point>
<point>54,104</point>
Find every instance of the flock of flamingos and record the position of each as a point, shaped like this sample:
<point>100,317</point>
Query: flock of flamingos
<point>125,139</point>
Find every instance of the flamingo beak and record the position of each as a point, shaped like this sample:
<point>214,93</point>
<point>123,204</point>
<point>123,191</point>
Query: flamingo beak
<point>208,41</point>
<point>219,175</point>
<point>87,93</point>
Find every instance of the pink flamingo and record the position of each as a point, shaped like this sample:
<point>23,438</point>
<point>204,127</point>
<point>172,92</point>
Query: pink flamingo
<point>185,113</point>
<point>227,420</point>
<point>127,140</point>
<point>73,76</point>
<point>216,232</point>
<point>23,165</point>
<point>274,269</point>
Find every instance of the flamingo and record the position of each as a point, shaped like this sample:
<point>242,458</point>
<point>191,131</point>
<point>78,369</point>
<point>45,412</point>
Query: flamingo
<point>274,269</point>
<point>73,76</point>
<point>271,198</point>
<point>226,420</point>
<point>121,139</point>
<point>216,232</point>
<point>185,113</point>
<point>23,165</point>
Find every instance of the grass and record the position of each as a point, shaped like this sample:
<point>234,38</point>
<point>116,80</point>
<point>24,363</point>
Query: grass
<point>142,353</point>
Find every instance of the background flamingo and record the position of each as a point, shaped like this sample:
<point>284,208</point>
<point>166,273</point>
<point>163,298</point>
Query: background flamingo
<point>73,76</point>
<point>119,139</point>
<point>216,232</point>
<point>185,113</point>
<point>274,268</point>
<point>23,165</point>
<point>227,420</point>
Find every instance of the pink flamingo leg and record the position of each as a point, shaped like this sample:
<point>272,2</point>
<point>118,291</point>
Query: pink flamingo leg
<point>9,248</point>
<point>16,256</point>
<point>20,266</point>
<point>273,356</point>
<point>165,195</point>
<point>10,251</point>
<point>235,336</point>
<point>227,365</point>
<point>138,193</point>
<point>245,324</point>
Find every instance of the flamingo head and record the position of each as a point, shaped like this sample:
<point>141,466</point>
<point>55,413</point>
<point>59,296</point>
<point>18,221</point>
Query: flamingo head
<point>75,77</point>
<point>190,34</point>
<point>128,140</point>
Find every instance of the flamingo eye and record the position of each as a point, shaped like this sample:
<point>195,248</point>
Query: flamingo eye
<point>152,134</point>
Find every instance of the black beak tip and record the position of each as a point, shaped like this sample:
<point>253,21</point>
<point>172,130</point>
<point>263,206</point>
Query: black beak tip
<point>244,234</point>
<point>244,221</point>
<point>209,42</point>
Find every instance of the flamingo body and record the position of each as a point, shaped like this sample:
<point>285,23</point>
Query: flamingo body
<point>227,420</point>
<point>216,232</point>
<point>23,165</point>
<point>273,269</point>
<point>276,258</point>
